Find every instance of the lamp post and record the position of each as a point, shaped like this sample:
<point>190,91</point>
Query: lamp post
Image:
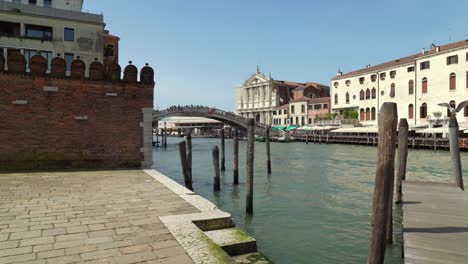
<point>453,141</point>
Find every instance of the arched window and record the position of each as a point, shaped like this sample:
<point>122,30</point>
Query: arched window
<point>410,111</point>
<point>374,93</point>
<point>452,105</point>
<point>361,114</point>
<point>373,113</point>
<point>424,85</point>
<point>362,95</point>
<point>392,90</point>
<point>347,98</point>
<point>453,81</point>
<point>367,113</point>
<point>336,98</point>
<point>367,94</point>
<point>467,79</point>
<point>411,87</point>
<point>423,111</point>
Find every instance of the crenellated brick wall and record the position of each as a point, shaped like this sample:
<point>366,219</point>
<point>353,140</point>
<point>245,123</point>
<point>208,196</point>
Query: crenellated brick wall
<point>57,122</point>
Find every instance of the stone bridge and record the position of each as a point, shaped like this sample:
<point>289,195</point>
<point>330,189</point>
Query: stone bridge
<point>229,118</point>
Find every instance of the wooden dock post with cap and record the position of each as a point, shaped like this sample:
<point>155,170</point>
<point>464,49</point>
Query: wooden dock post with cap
<point>268,150</point>
<point>384,177</point>
<point>216,177</point>
<point>183,162</point>
<point>402,157</point>
<point>235,160</point>
<point>223,152</point>
<point>455,152</point>
<point>250,165</point>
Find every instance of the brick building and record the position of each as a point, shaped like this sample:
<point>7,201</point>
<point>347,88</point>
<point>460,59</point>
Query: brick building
<point>51,121</point>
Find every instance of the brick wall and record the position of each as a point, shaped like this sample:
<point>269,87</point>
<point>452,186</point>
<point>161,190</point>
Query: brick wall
<point>60,123</point>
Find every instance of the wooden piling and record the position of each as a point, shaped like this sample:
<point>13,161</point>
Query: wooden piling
<point>402,156</point>
<point>217,180</point>
<point>250,165</point>
<point>383,182</point>
<point>455,152</point>
<point>235,165</point>
<point>183,162</point>
<point>268,150</point>
<point>307,138</point>
<point>188,139</point>
<point>223,152</point>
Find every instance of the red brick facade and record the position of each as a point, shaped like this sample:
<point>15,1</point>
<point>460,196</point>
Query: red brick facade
<point>59,123</point>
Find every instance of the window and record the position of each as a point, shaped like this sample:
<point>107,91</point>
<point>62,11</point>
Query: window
<point>292,109</point>
<point>109,52</point>
<point>69,57</point>
<point>361,115</point>
<point>28,54</point>
<point>467,79</point>
<point>69,34</point>
<point>410,111</point>
<point>411,87</point>
<point>335,84</point>
<point>309,107</point>
<point>392,74</point>
<point>302,108</point>
<point>453,81</point>
<point>373,77</point>
<point>302,121</point>
<point>411,69</point>
<point>317,107</point>
<point>467,56</point>
<point>392,90</point>
<point>368,114</point>
<point>286,121</point>
<point>374,93</point>
<point>367,94</point>
<point>452,59</point>
<point>423,111</point>
<point>274,112</point>
<point>325,106</point>
<point>9,29</point>
<point>373,113</point>
<point>32,2</point>
<point>347,98</point>
<point>285,111</point>
<point>361,80</point>
<point>424,85</point>
<point>297,120</point>
<point>348,82</point>
<point>382,76</point>
<point>336,98</point>
<point>310,120</point>
<point>424,65</point>
<point>38,32</point>
<point>362,95</point>
<point>47,3</point>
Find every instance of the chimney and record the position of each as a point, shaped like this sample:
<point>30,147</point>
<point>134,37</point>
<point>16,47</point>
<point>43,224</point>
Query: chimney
<point>423,51</point>
<point>438,49</point>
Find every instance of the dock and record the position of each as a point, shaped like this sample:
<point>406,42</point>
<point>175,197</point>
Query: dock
<point>435,223</point>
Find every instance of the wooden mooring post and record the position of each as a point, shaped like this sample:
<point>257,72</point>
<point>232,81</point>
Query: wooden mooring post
<point>217,180</point>
<point>223,150</point>
<point>402,157</point>
<point>455,152</point>
<point>250,165</point>
<point>183,162</point>
<point>268,150</point>
<point>188,139</point>
<point>235,160</point>
<point>383,193</point>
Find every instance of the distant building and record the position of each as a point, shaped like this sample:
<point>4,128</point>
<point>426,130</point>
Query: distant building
<point>53,27</point>
<point>197,125</point>
<point>417,83</point>
<point>276,102</point>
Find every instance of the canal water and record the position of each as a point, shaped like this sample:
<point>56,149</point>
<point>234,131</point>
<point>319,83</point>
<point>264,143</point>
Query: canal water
<point>315,206</point>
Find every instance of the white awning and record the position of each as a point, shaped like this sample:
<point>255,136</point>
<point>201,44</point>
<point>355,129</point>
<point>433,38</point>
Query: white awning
<point>438,130</point>
<point>369,129</point>
<point>305,128</point>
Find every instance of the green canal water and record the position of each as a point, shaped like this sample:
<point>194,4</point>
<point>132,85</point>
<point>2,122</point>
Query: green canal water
<point>315,206</point>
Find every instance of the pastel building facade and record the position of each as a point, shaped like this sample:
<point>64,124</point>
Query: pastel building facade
<point>417,83</point>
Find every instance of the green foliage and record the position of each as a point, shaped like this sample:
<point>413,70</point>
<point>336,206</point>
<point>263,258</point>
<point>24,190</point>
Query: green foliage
<point>350,114</point>
<point>328,116</point>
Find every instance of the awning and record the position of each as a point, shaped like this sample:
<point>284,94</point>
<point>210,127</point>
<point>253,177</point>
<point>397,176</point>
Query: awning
<point>369,129</point>
<point>276,128</point>
<point>305,128</point>
<point>438,130</point>
<point>291,127</point>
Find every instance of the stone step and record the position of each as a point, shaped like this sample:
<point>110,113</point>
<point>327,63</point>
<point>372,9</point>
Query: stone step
<point>252,258</point>
<point>215,223</point>
<point>233,240</point>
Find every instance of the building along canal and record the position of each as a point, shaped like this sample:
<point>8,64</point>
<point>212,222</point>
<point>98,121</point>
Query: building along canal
<point>315,207</point>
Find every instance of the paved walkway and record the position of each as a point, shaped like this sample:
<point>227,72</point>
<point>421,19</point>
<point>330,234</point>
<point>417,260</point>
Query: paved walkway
<point>88,217</point>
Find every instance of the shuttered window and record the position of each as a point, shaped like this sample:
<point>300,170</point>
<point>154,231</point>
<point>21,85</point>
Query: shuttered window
<point>424,85</point>
<point>453,81</point>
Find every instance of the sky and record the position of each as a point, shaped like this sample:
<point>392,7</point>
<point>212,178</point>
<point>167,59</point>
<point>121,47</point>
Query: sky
<point>202,50</point>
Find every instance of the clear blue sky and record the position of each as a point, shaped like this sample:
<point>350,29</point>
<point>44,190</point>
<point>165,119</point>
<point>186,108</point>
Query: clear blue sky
<point>202,49</point>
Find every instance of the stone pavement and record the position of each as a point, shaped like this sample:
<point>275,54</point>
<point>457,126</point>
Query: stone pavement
<point>88,217</point>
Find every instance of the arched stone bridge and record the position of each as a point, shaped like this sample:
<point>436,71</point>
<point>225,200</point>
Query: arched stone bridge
<point>229,118</point>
